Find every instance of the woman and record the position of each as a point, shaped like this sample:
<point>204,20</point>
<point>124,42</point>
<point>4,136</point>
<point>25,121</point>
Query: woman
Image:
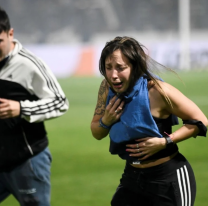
<point>137,109</point>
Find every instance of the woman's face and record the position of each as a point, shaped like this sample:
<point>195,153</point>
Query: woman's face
<point>118,71</point>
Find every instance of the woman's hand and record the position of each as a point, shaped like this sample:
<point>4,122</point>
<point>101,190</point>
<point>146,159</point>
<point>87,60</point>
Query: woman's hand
<point>113,111</point>
<point>146,147</point>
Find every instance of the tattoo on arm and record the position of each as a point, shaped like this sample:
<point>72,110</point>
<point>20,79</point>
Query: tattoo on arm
<point>100,107</point>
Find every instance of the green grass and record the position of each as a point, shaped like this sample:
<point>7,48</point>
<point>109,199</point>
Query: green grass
<point>83,171</point>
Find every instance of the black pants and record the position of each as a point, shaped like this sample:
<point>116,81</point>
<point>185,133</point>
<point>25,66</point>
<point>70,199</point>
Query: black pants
<point>169,184</point>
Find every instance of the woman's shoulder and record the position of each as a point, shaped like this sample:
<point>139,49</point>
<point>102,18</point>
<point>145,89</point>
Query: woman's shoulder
<point>156,91</point>
<point>162,92</point>
<point>105,83</point>
<point>166,94</point>
<point>104,86</point>
<point>104,89</point>
<point>166,87</point>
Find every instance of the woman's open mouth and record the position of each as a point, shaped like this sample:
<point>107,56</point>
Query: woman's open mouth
<point>117,85</point>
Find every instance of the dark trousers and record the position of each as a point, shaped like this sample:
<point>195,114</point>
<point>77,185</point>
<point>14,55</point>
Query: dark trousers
<point>169,184</point>
<point>29,182</point>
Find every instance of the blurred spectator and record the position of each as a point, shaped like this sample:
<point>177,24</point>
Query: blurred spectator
<point>61,21</point>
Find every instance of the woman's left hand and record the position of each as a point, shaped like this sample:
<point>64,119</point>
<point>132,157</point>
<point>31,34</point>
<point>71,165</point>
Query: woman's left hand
<point>146,147</point>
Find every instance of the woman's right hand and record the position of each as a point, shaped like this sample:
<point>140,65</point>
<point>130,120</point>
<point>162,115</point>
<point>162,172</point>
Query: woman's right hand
<point>113,111</point>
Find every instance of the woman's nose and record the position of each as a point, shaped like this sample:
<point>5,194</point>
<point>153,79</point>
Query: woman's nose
<point>114,73</point>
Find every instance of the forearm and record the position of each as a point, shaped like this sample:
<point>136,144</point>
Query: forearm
<point>185,132</point>
<point>97,131</point>
<point>43,109</point>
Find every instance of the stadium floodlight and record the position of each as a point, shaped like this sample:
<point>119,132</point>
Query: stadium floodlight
<point>184,33</point>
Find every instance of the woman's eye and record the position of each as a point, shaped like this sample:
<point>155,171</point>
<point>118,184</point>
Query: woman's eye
<point>121,68</point>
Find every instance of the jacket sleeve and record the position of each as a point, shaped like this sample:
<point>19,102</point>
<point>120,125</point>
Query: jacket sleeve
<point>51,102</point>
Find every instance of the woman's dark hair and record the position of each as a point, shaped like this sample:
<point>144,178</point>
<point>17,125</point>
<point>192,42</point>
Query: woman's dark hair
<point>137,57</point>
<point>4,21</point>
<point>132,50</point>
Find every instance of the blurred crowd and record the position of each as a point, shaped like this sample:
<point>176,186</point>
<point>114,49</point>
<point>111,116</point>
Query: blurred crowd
<point>61,21</point>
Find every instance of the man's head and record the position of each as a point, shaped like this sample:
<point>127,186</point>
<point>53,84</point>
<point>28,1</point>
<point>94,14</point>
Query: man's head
<point>6,35</point>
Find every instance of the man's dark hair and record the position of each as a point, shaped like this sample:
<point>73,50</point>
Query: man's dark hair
<point>4,21</point>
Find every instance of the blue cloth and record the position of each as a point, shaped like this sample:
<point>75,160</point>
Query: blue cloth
<point>136,120</point>
<point>29,182</point>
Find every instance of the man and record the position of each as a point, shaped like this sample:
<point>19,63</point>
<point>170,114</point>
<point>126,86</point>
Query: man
<point>29,95</point>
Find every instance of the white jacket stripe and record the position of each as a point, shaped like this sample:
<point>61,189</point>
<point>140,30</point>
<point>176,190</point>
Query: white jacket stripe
<point>42,69</point>
<point>49,104</point>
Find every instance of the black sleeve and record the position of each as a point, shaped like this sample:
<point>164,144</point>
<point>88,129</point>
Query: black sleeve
<point>199,124</point>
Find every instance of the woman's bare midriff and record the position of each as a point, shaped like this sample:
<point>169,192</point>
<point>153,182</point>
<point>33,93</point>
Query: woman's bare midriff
<point>152,163</point>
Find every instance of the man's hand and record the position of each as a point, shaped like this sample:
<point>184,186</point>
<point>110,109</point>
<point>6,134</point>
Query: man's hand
<point>9,108</point>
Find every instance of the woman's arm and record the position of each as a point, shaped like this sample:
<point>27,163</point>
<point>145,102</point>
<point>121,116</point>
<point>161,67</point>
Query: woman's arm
<point>109,114</point>
<point>182,107</point>
<point>97,131</point>
<point>185,109</point>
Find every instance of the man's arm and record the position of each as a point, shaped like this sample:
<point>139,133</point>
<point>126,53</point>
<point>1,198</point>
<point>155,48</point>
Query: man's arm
<point>52,101</point>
